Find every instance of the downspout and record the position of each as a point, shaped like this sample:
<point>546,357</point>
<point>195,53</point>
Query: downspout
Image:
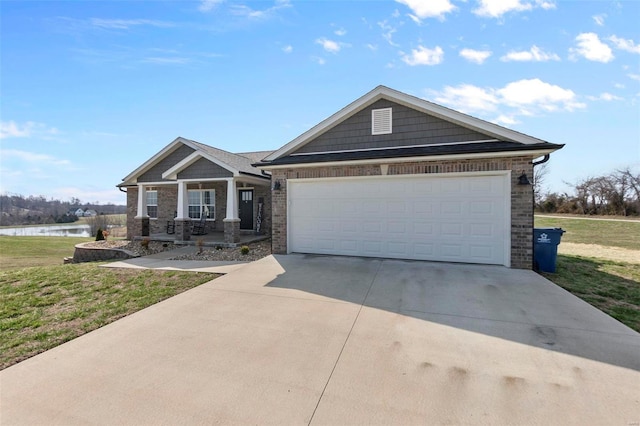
<point>533,212</point>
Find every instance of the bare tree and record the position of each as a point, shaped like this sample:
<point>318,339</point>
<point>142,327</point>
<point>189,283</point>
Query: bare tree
<point>540,173</point>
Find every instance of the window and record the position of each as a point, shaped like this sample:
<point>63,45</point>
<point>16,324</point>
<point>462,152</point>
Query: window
<point>381,121</point>
<point>202,200</point>
<point>152,203</point>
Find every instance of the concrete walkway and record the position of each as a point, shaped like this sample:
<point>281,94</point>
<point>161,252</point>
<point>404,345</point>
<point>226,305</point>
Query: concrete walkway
<point>163,260</point>
<point>332,340</point>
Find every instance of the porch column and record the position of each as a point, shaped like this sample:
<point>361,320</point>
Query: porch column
<point>142,218</point>
<point>142,202</point>
<point>182,220</point>
<point>182,210</point>
<point>232,222</point>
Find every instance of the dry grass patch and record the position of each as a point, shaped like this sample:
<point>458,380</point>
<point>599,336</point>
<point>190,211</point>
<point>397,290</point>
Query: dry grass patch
<point>42,307</point>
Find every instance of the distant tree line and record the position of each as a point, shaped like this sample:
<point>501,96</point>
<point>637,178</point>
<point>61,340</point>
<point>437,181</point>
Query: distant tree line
<point>616,193</point>
<point>20,210</point>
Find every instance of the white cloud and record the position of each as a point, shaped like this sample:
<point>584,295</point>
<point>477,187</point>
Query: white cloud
<point>11,129</point>
<point>175,60</point>
<point>590,47</point>
<point>372,47</point>
<point>388,31</point>
<point>32,157</point>
<point>608,97</point>
<point>467,98</point>
<point>535,92</point>
<point>424,56</point>
<point>497,8</point>
<point>318,60</point>
<point>476,56</point>
<point>634,76</point>
<point>518,98</point>
<point>125,24</point>
<point>535,54</point>
<point>428,9</point>
<point>287,49</point>
<point>599,19</point>
<point>329,45</point>
<point>208,5</point>
<point>624,44</point>
<point>619,86</point>
<point>246,11</point>
<point>340,32</point>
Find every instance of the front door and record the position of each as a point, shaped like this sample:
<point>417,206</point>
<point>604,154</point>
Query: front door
<point>246,208</point>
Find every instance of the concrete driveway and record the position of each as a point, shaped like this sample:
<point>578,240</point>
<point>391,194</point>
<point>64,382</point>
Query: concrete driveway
<point>331,340</point>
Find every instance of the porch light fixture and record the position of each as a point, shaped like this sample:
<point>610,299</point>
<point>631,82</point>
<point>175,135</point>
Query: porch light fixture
<point>276,185</point>
<point>523,179</point>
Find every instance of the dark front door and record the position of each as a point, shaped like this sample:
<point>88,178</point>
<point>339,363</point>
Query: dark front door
<point>246,208</point>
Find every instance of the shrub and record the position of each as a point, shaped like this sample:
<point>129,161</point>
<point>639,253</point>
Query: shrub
<point>99,235</point>
<point>244,249</point>
<point>145,243</point>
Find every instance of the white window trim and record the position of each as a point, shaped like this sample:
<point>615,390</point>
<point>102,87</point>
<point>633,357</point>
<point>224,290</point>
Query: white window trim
<point>149,190</point>
<point>383,114</point>
<point>212,212</point>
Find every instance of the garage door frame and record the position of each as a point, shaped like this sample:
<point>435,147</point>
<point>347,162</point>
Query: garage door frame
<point>505,174</point>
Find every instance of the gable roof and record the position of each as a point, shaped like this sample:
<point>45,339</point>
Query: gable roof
<point>383,92</point>
<point>235,163</point>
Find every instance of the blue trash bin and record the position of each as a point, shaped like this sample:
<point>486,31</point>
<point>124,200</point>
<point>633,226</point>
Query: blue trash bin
<point>545,248</point>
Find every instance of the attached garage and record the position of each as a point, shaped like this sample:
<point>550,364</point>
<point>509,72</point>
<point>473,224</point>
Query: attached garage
<point>395,176</point>
<point>452,218</point>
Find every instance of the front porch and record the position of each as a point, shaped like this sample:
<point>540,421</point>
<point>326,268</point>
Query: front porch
<point>211,239</point>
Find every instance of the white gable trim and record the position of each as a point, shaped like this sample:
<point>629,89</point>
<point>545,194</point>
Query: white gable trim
<point>172,173</point>
<point>132,177</point>
<point>382,92</point>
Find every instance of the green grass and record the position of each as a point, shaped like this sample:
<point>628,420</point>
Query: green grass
<point>612,287</point>
<point>43,307</point>
<point>609,233</point>
<point>21,252</point>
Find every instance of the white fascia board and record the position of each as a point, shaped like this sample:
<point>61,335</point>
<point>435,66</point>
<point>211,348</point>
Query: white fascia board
<point>427,107</point>
<point>537,153</point>
<point>131,178</point>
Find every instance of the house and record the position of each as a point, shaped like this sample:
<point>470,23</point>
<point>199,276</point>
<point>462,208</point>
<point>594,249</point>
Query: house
<point>389,175</point>
<point>79,212</point>
<point>188,182</point>
<point>90,213</point>
<point>394,176</point>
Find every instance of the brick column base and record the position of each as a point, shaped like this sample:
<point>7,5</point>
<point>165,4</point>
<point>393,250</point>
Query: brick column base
<point>183,229</point>
<point>231,230</point>
<point>142,226</point>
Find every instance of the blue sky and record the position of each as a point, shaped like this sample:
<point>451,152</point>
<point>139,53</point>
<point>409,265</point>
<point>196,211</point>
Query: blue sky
<point>89,90</point>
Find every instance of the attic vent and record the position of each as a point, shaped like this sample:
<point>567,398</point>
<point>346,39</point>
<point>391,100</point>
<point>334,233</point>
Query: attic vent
<point>381,121</point>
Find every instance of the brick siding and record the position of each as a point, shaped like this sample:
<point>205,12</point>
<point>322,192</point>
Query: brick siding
<point>521,195</point>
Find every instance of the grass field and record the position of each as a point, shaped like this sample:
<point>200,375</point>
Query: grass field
<point>22,252</point>
<point>609,233</point>
<point>609,285</point>
<point>46,305</point>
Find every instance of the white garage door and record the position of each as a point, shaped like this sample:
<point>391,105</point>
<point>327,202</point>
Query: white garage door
<point>454,219</point>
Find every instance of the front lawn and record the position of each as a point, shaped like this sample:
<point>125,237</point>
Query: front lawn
<point>612,287</point>
<point>43,307</point>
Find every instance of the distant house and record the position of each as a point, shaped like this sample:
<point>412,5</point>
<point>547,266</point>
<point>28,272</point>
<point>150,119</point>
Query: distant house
<point>90,213</point>
<point>79,212</point>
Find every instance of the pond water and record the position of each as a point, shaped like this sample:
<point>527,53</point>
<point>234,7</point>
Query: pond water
<point>48,231</point>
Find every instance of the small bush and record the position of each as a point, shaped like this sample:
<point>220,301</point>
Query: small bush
<point>218,247</point>
<point>145,243</point>
<point>99,235</point>
<point>200,244</point>
<point>244,249</point>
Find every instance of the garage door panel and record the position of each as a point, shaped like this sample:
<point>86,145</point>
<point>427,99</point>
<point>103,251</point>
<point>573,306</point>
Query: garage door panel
<point>459,219</point>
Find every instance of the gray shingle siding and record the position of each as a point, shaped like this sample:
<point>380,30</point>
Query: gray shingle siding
<point>154,174</point>
<point>410,127</point>
<point>203,169</point>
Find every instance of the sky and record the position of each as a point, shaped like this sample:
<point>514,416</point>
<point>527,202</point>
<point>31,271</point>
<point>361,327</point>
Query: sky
<point>90,90</point>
